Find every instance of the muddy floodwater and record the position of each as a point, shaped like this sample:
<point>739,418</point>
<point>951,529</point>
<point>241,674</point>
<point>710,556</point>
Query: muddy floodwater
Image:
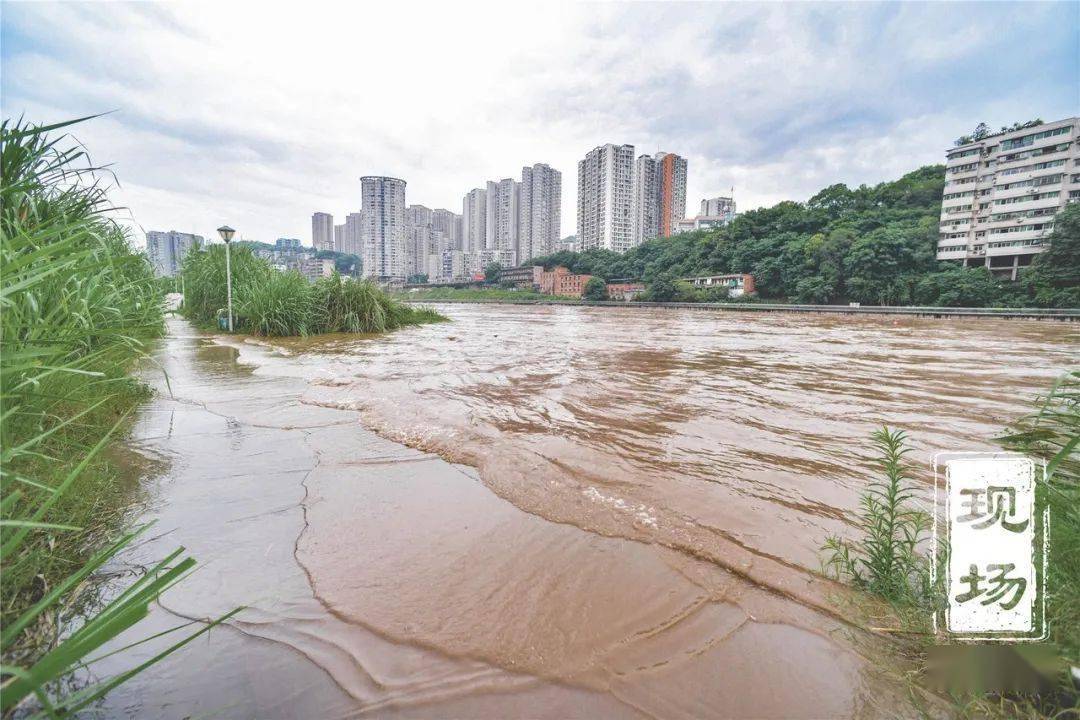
<point>547,512</point>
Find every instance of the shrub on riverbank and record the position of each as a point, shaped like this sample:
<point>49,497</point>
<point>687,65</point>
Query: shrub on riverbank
<point>273,303</point>
<point>886,559</point>
<point>76,311</point>
<point>1052,433</point>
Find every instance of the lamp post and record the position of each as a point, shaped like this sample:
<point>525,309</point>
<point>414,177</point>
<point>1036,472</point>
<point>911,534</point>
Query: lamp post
<point>227,233</point>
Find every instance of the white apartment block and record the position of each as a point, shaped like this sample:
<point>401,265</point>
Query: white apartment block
<point>418,215</point>
<point>322,231</point>
<point>339,237</point>
<point>418,240</point>
<point>605,189</point>
<point>454,265</point>
<point>166,250</point>
<point>539,211</point>
<point>417,246</point>
<point>1002,193</point>
<point>476,262</point>
<point>718,207</point>
<point>352,236</point>
<point>715,212</point>
<point>474,220</point>
<point>645,205</point>
<point>383,228</point>
<point>502,217</point>
<point>449,224</point>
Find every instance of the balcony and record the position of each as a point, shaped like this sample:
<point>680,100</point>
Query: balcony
<point>1005,194</point>
<point>1027,206</point>
<point>1015,250</point>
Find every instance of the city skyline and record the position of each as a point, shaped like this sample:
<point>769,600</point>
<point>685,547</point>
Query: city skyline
<point>820,107</point>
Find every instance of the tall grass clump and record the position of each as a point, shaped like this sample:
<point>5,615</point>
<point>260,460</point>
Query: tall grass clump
<point>280,304</point>
<point>1052,433</point>
<point>77,308</point>
<point>886,559</point>
<point>272,303</point>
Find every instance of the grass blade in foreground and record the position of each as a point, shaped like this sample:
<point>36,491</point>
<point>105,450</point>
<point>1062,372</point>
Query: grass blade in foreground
<point>77,307</point>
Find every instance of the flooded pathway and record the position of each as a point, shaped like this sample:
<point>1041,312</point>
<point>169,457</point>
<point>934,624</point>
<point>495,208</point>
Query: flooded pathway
<point>566,512</point>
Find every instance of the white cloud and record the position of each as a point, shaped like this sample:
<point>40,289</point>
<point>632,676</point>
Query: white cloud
<point>258,116</point>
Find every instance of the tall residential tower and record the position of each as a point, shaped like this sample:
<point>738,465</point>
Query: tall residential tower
<point>659,199</point>
<point>449,224</point>
<point>539,211</point>
<point>502,218</point>
<point>322,231</point>
<point>166,250</point>
<point>474,221</point>
<point>646,200</point>
<point>382,235</point>
<point>605,188</point>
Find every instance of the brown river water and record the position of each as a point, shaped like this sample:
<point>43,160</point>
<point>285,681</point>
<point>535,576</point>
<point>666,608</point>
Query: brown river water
<point>549,511</point>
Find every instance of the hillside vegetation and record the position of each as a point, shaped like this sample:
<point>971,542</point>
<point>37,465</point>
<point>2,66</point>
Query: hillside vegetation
<point>873,245</point>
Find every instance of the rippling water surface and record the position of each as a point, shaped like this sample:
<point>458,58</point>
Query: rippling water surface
<point>628,524</point>
<point>694,429</point>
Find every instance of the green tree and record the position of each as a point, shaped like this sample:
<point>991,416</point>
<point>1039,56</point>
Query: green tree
<point>492,273</point>
<point>877,264</point>
<point>595,289</point>
<point>957,286</point>
<point>1053,280</point>
<point>813,290</point>
<point>662,289</point>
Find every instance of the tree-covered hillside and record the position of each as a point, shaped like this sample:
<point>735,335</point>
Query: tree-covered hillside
<point>873,245</point>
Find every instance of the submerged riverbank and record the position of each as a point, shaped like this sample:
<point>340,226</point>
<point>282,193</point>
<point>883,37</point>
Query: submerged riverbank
<point>619,514</point>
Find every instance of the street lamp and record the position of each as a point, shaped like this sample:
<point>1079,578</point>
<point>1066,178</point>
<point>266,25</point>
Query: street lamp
<point>227,233</point>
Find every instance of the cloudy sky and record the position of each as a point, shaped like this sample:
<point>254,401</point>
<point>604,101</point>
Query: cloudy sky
<point>260,114</point>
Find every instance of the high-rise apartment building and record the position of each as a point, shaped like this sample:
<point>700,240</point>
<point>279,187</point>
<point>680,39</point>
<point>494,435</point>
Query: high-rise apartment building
<point>166,250</point>
<point>539,211</point>
<point>383,227</point>
<point>418,215</point>
<point>646,200</point>
<point>474,220</point>
<point>352,238</point>
<point>659,198</point>
<point>671,185</point>
<point>339,237</point>
<point>502,217</point>
<point>322,231</point>
<point>418,239</point>
<point>605,189</point>
<point>1002,192</point>
<point>449,224</point>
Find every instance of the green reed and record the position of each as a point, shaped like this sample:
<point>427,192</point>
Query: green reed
<point>886,559</point>
<point>273,303</point>
<point>77,307</point>
<point>1052,434</point>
